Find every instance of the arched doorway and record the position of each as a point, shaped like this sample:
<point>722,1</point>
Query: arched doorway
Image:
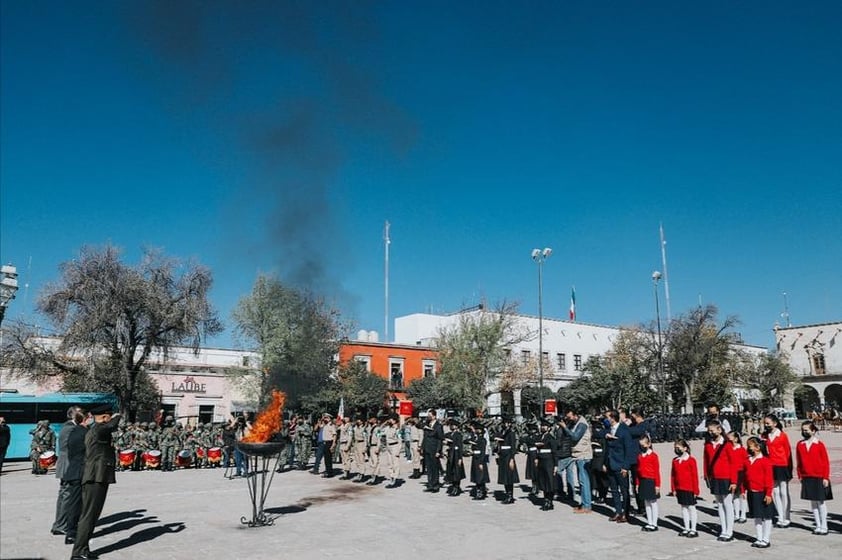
<point>833,396</point>
<point>807,400</point>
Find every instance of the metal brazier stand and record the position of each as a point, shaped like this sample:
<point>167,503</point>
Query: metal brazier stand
<point>259,458</point>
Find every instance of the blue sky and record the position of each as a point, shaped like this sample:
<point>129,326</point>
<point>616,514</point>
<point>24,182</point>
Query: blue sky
<point>279,136</point>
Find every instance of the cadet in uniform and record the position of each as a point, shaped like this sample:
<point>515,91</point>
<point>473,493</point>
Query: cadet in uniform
<point>414,435</point>
<point>153,437</point>
<point>170,445</point>
<point>43,440</point>
<point>346,442</point>
<point>455,472</point>
<point>358,447</point>
<point>506,468</point>
<point>479,460</point>
<point>432,447</point>
<point>546,462</point>
<point>393,450</point>
<point>375,442</point>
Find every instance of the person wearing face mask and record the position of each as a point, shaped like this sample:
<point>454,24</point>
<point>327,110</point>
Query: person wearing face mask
<point>721,478</point>
<point>780,454</point>
<point>740,456</point>
<point>814,473</point>
<point>759,486</point>
<point>684,485</point>
<point>648,482</point>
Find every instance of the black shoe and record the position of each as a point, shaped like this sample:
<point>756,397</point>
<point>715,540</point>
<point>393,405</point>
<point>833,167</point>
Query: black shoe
<point>88,556</point>
<point>69,540</point>
<point>54,532</point>
<point>509,499</point>
<point>723,538</point>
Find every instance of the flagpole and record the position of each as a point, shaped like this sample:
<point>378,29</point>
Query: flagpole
<point>666,274</point>
<point>386,242</point>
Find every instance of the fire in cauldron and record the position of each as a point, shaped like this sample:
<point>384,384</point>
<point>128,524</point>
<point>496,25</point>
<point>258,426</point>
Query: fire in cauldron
<point>263,444</point>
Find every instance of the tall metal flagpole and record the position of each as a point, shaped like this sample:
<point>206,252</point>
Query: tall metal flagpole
<point>386,242</point>
<point>666,274</point>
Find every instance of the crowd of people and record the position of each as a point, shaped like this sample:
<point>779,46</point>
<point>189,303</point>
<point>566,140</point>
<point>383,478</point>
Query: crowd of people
<point>605,460</point>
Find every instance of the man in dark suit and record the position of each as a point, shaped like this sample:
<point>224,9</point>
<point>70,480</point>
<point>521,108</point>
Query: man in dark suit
<point>5,439</point>
<point>98,473</point>
<point>71,462</point>
<point>619,455</point>
<point>432,448</point>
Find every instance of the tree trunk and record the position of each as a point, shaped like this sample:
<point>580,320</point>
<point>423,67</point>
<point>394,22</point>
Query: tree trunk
<point>688,397</point>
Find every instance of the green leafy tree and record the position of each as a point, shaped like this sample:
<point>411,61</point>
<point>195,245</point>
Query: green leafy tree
<point>296,335</point>
<point>771,375</point>
<point>425,393</point>
<point>532,400</point>
<point>474,359</point>
<point>113,319</point>
<point>697,352</point>
<point>363,390</point>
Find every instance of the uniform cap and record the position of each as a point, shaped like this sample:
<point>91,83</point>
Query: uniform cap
<point>102,409</point>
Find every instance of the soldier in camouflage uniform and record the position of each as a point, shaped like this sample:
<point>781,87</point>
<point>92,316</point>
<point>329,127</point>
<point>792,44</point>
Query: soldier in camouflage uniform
<point>303,443</point>
<point>122,440</point>
<point>170,445</point>
<point>153,438</point>
<point>140,444</point>
<point>190,444</point>
<point>43,439</point>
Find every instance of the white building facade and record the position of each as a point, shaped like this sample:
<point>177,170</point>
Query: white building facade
<point>566,346</point>
<point>815,354</point>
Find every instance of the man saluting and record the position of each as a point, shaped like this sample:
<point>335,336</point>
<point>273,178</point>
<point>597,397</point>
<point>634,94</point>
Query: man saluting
<point>99,473</point>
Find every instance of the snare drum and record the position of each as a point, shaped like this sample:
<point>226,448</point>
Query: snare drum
<point>214,455</point>
<point>127,457</point>
<point>47,459</point>
<point>200,452</point>
<point>152,459</point>
<point>184,458</point>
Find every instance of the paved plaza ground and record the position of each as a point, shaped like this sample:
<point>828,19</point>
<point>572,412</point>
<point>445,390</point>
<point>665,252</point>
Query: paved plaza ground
<point>196,514</point>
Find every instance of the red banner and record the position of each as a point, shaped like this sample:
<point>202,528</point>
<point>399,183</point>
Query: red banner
<point>549,406</point>
<point>405,408</point>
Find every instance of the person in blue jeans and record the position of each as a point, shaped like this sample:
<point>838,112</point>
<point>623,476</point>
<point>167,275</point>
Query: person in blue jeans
<point>579,431</point>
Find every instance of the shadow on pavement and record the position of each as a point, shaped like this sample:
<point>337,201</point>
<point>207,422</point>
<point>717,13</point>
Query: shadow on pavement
<point>125,525</point>
<point>143,535</point>
<point>114,517</point>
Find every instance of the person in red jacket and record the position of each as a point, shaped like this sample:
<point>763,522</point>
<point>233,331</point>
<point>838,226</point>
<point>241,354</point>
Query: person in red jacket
<point>740,456</point>
<point>814,474</point>
<point>721,478</point>
<point>780,454</point>
<point>648,483</point>
<point>759,486</point>
<point>684,484</point>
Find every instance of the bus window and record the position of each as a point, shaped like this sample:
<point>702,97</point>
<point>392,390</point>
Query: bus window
<point>18,413</point>
<point>56,413</point>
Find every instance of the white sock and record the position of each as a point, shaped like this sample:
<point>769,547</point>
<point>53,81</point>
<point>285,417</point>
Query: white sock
<point>728,506</point>
<point>758,528</point>
<point>655,514</point>
<point>767,531</point>
<point>814,505</point>
<point>739,507</point>
<point>685,515</point>
<point>820,515</point>
<point>785,501</point>
<point>694,517</point>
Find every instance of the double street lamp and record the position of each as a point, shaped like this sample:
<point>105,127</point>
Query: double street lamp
<point>8,287</point>
<point>656,276</point>
<point>539,256</point>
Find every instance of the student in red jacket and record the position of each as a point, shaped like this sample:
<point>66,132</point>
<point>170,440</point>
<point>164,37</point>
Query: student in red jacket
<point>759,484</point>
<point>814,474</point>
<point>684,484</point>
<point>780,454</point>
<point>648,483</point>
<point>740,456</point>
<point>721,478</point>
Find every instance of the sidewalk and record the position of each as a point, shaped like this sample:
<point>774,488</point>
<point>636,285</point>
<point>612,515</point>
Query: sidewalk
<point>196,514</point>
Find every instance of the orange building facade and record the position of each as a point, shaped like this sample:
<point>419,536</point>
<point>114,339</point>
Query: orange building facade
<point>399,364</point>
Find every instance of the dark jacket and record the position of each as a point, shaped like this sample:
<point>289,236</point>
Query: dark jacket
<point>71,445</point>
<point>621,450</point>
<point>433,438</point>
<point>5,436</point>
<point>99,453</point>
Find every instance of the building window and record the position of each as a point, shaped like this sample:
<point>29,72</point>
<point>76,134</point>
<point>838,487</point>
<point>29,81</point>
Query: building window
<point>545,359</point>
<point>561,361</point>
<point>818,364</point>
<point>245,361</point>
<point>524,357</point>
<point>364,360</point>
<point>577,362</point>
<point>396,375</point>
<point>205,413</point>
<point>169,410</point>
<point>428,368</point>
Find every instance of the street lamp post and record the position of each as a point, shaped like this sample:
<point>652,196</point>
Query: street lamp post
<point>539,257</point>
<point>656,276</point>
<point>8,287</point>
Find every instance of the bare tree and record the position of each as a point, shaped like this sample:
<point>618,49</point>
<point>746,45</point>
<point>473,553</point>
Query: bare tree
<point>111,318</point>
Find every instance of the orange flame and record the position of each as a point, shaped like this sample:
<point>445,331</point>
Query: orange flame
<point>269,420</point>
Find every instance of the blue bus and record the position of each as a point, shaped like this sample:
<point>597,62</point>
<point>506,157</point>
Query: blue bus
<point>22,413</point>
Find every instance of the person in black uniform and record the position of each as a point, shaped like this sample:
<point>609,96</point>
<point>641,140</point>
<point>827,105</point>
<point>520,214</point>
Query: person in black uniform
<point>506,468</point>
<point>546,462</point>
<point>69,470</point>
<point>99,473</point>
<point>432,446</point>
<point>479,460</point>
<point>528,441</point>
<point>455,472</point>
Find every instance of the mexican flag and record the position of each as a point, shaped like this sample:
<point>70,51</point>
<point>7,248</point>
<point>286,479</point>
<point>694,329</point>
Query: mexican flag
<point>573,304</point>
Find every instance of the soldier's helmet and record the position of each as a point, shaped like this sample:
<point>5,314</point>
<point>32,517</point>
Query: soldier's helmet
<point>152,425</point>
<point>179,426</point>
<point>122,424</point>
<point>200,426</point>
